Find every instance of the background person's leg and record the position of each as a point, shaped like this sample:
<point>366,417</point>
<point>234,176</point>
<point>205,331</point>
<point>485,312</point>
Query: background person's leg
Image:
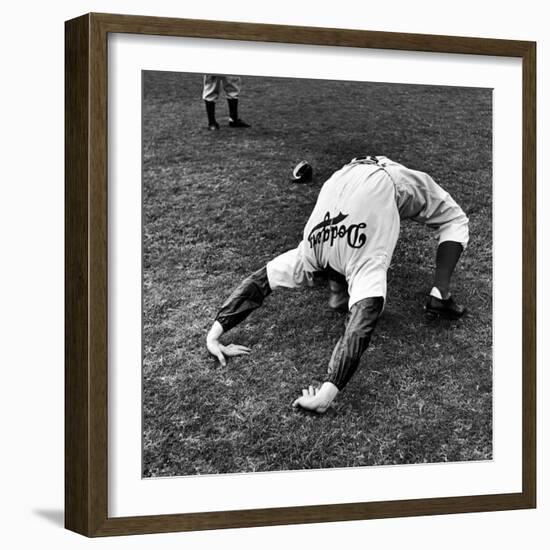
<point>211,115</point>
<point>232,89</point>
<point>210,94</point>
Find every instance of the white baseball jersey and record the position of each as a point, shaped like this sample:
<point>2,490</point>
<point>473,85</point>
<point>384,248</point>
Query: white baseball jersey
<point>355,224</point>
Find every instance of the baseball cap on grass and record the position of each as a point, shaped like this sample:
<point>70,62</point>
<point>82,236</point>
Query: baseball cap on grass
<point>302,173</point>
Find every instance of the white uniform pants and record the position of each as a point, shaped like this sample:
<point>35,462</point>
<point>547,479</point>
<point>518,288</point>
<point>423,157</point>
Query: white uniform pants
<point>214,83</point>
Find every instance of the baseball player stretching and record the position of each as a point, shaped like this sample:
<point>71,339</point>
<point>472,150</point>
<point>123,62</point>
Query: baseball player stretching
<point>350,238</point>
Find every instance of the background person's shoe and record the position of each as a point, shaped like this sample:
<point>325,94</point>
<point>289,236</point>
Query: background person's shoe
<point>444,309</point>
<point>213,126</point>
<point>238,123</point>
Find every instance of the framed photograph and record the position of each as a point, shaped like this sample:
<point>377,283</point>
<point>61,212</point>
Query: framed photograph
<point>300,275</point>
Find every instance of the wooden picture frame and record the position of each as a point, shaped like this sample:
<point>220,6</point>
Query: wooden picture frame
<point>86,283</point>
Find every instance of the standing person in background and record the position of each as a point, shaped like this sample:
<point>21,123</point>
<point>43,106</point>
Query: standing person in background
<point>211,92</point>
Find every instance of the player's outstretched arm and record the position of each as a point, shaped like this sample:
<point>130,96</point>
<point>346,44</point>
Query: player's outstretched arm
<point>346,355</point>
<point>247,297</point>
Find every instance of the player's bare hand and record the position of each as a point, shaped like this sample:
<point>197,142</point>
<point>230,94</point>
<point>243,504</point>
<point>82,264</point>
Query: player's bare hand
<point>220,351</point>
<point>311,401</point>
<point>232,350</point>
<point>317,399</point>
<point>217,349</point>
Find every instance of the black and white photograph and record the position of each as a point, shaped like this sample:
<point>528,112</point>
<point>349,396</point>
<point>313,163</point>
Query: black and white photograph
<point>317,274</point>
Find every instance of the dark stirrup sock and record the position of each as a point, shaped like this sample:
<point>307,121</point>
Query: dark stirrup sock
<point>448,253</point>
<point>211,111</point>
<point>233,104</point>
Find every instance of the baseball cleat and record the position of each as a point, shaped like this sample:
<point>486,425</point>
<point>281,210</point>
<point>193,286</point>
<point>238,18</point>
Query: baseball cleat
<point>443,309</point>
<point>238,123</point>
<point>213,126</point>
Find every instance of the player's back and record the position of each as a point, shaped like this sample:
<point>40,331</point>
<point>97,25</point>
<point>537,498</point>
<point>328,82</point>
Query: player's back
<point>353,218</point>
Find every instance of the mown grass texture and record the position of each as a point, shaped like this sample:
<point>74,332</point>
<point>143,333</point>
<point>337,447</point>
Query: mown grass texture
<point>219,205</point>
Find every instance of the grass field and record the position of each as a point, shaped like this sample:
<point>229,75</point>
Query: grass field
<point>218,205</point>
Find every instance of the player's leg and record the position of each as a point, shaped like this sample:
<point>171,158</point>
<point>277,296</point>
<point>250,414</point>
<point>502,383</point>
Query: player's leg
<point>452,226</point>
<point>442,213</point>
<point>440,303</point>
<point>339,295</point>
<point>210,94</point>
<point>232,89</point>
<point>447,256</point>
